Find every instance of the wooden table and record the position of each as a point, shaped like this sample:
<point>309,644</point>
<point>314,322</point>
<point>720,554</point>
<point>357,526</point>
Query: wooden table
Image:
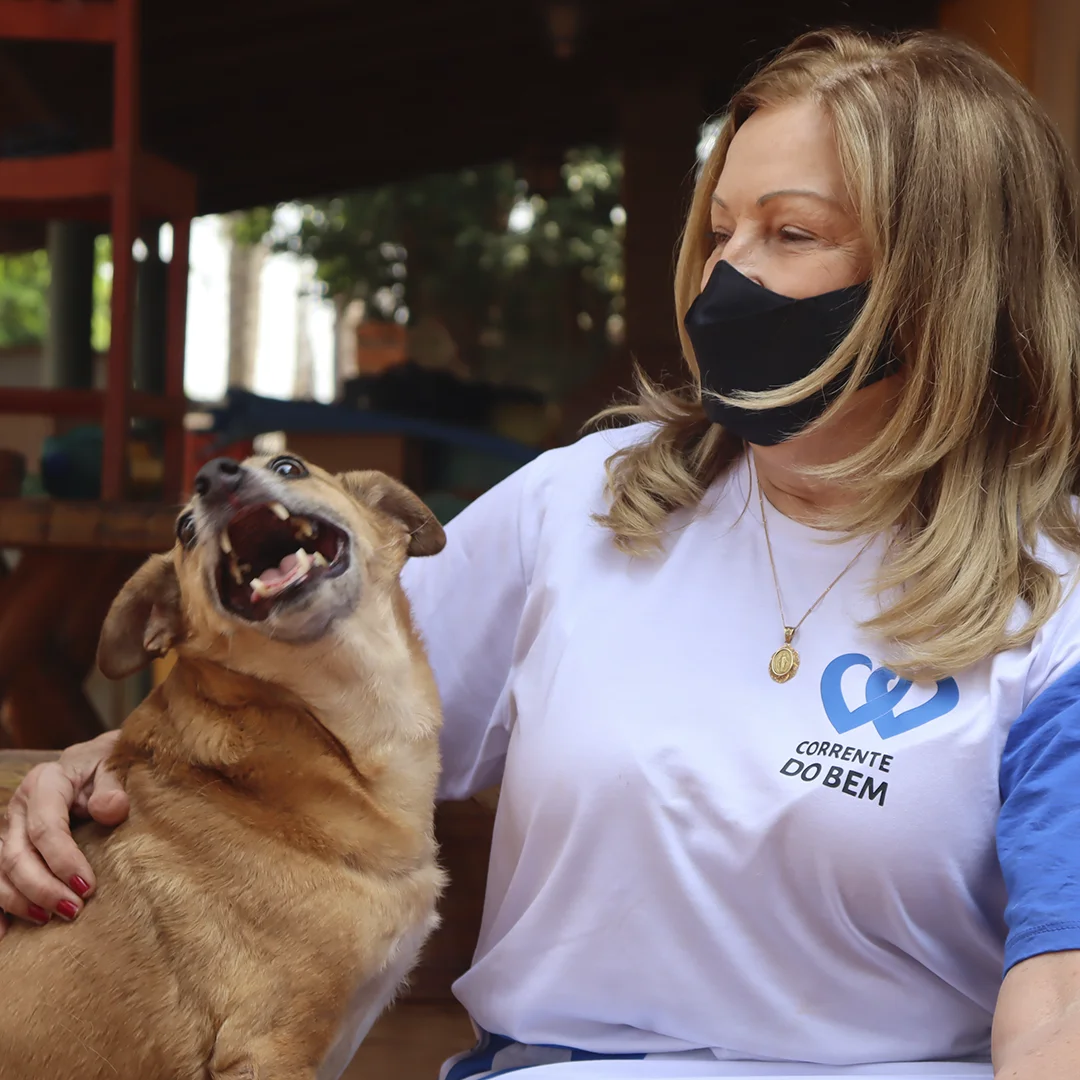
<point>74,558</point>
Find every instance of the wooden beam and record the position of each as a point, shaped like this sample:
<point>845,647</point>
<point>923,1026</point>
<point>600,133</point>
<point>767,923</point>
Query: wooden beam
<point>50,20</point>
<point>25,212</point>
<point>58,176</point>
<point>27,184</point>
<point>164,189</point>
<point>85,404</point>
<point>34,401</point>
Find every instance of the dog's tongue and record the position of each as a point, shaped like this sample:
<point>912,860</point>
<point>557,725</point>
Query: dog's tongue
<point>278,575</point>
<point>293,568</point>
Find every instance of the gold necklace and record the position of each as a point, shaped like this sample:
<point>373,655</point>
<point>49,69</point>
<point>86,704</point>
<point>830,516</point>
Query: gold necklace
<point>785,661</point>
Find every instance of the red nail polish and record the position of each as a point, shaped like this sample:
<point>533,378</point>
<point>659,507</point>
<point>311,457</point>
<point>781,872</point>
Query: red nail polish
<point>37,914</point>
<point>79,885</point>
<point>67,909</point>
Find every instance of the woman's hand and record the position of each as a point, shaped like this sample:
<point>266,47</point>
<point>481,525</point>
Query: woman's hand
<point>42,870</point>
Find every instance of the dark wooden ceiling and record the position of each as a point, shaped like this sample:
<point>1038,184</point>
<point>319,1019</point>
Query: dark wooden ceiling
<point>268,100</point>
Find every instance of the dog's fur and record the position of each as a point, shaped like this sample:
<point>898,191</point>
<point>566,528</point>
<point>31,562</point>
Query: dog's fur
<point>277,875</point>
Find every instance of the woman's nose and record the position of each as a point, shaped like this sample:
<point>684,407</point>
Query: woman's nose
<point>744,268</point>
<point>740,252</point>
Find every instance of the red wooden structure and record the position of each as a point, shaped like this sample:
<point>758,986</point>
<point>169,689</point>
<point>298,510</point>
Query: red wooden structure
<point>119,185</point>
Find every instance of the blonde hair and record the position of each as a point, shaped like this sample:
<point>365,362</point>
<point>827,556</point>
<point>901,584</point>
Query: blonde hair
<point>968,199</point>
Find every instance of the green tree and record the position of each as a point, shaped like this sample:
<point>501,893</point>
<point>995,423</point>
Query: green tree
<point>101,319</point>
<point>24,298</point>
<point>529,287</point>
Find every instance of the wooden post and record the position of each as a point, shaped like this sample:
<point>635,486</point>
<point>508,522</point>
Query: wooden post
<point>1055,78</point>
<point>151,300</point>
<point>125,146</point>
<point>174,356</point>
<point>1002,28</point>
<point>69,357</point>
<point>660,129</point>
<point>245,269</point>
<point>661,125</point>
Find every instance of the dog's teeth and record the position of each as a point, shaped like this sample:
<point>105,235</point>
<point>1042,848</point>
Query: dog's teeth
<point>304,560</point>
<point>280,511</point>
<point>226,543</point>
<point>236,569</point>
<point>258,589</point>
<point>319,559</point>
<point>303,528</point>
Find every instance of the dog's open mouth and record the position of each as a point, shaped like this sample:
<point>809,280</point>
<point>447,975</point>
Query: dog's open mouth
<point>269,556</point>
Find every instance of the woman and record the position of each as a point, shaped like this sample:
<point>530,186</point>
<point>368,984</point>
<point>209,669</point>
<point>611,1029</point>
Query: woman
<point>760,673</point>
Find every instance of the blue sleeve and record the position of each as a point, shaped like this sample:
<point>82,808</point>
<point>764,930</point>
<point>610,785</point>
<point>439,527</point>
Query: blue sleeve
<point>1038,834</point>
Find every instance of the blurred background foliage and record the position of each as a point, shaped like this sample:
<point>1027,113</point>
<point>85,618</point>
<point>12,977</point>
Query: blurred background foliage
<point>529,285</point>
<point>24,297</point>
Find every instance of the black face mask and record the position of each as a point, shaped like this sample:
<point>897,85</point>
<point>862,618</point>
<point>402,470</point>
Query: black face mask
<point>748,338</point>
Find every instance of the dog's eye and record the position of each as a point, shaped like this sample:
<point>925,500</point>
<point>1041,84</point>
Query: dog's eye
<point>185,529</point>
<point>289,467</point>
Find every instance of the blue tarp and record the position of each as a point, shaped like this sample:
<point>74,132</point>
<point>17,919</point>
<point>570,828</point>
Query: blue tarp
<point>246,415</point>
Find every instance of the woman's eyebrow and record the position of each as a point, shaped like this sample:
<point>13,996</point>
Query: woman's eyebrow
<point>786,191</point>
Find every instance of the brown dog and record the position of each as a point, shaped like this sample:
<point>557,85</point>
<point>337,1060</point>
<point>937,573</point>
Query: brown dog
<point>277,875</point>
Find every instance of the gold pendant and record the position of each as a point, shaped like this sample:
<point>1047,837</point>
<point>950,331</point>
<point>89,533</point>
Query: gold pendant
<point>785,661</point>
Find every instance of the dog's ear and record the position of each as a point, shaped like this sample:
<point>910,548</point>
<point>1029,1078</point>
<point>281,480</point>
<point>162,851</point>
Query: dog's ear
<point>144,621</point>
<point>379,491</point>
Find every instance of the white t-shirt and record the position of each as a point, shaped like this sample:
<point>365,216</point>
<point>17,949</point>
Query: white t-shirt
<point>687,854</point>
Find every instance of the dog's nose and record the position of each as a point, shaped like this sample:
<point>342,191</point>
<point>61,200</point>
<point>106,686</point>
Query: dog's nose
<point>218,479</point>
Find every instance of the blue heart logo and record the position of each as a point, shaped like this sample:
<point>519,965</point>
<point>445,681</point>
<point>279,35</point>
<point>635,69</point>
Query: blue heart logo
<point>884,691</point>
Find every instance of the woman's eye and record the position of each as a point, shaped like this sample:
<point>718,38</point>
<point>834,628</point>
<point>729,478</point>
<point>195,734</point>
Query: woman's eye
<point>185,530</point>
<point>289,467</point>
<point>720,237</point>
<point>794,235</point>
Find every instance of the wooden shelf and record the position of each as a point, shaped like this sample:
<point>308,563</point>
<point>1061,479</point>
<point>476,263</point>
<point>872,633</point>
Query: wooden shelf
<point>81,184</point>
<point>53,523</point>
<point>119,186</point>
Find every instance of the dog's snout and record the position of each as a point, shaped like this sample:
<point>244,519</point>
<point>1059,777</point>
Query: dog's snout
<point>218,479</point>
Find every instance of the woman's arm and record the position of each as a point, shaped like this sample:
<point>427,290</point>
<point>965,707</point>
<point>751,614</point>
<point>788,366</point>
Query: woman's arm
<point>1037,1019</point>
